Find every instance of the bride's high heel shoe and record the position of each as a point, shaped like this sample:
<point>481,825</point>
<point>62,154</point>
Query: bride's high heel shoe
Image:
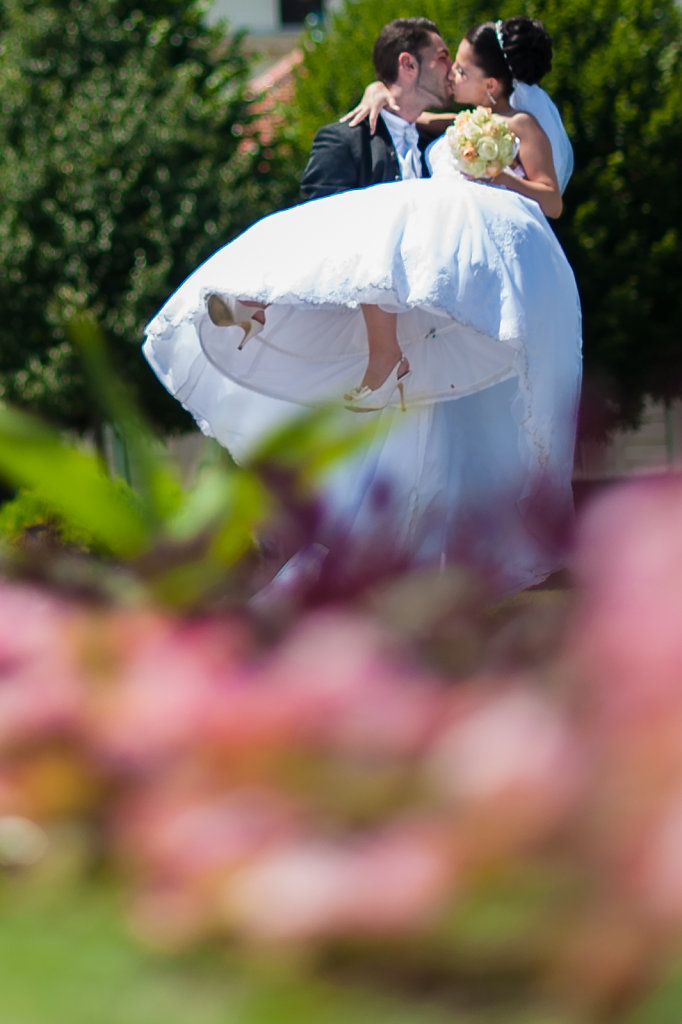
<point>364,399</point>
<point>234,314</point>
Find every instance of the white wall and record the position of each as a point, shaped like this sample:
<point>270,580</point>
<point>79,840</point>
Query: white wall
<point>255,15</point>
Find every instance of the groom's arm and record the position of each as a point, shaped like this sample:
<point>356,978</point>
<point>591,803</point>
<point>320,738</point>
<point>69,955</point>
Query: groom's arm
<point>335,163</point>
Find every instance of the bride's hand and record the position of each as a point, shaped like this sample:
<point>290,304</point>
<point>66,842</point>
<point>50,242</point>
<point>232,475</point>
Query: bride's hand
<point>375,97</point>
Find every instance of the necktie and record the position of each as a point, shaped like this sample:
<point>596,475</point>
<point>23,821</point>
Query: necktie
<point>409,156</point>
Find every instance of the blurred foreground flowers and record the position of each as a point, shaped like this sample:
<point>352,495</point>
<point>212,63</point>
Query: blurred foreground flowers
<point>391,784</point>
<point>517,822</point>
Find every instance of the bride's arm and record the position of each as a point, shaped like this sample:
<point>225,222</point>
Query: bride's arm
<point>535,153</point>
<point>375,98</point>
<point>434,124</point>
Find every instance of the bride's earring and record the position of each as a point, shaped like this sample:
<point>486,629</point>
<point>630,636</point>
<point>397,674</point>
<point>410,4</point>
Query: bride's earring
<point>491,99</point>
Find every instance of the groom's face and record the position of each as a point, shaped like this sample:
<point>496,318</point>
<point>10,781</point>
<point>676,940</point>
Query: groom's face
<point>434,80</point>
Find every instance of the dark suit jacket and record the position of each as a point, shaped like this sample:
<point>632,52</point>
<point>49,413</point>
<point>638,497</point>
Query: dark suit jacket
<point>343,158</point>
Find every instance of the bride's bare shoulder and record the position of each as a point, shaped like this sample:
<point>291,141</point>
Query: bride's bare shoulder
<point>523,123</point>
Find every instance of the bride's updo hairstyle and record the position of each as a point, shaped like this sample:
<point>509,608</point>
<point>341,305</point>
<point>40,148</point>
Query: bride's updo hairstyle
<point>518,48</point>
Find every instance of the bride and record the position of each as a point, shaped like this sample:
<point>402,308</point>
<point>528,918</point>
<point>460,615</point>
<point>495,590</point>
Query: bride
<point>448,298</point>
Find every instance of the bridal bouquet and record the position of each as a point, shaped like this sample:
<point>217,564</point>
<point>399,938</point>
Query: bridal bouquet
<point>481,143</point>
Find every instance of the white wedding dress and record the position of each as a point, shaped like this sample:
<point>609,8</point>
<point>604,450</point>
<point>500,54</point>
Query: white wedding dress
<point>479,466</point>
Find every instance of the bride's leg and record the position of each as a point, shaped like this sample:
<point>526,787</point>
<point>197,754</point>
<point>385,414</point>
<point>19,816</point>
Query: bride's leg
<point>245,316</point>
<point>223,315</point>
<point>384,350</point>
<point>260,308</point>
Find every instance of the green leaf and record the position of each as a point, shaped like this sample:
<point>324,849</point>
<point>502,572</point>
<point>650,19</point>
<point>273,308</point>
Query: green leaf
<point>72,482</point>
<point>312,442</point>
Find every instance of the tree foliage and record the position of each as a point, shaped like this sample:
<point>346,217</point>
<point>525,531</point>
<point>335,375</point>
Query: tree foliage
<point>129,155</point>
<point>614,74</point>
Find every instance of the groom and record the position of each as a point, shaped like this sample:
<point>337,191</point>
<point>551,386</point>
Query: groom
<point>412,60</point>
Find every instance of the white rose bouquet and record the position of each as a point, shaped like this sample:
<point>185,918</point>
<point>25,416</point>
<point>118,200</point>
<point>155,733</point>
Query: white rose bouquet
<point>481,143</point>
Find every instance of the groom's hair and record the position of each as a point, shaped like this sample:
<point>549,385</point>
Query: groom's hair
<point>403,35</point>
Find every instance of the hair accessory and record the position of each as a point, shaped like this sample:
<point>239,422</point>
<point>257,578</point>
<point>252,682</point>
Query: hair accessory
<point>500,41</point>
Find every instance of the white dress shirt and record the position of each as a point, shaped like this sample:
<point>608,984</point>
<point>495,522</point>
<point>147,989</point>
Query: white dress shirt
<point>405,136</point>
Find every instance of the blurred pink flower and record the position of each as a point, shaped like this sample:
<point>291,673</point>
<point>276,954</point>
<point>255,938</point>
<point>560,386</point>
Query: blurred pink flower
<point>654,875</point>
<point>181,841</point>
<point>336,683</point>
<point>511,766</point>
<point>395,880</point>
<point>154,681</point>
<point>628,633</point>
<point>185,831</point>
<point>39,685</point>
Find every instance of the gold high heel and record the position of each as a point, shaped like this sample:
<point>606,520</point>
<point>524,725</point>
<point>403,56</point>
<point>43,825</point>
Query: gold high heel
<point>236,314</point>
<point>364,399</point>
